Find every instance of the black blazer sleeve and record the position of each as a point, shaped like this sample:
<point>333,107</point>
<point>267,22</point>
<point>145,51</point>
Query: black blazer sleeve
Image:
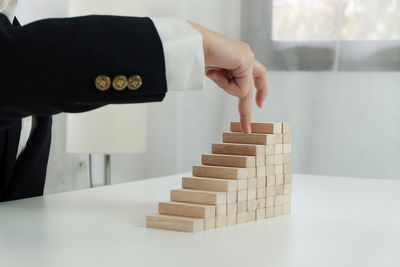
<point>49,66</point>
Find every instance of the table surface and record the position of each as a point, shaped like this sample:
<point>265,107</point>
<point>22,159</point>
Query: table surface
<point>335,221</point>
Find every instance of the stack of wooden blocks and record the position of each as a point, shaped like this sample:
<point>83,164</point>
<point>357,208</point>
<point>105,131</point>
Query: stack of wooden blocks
<point>247,177</point>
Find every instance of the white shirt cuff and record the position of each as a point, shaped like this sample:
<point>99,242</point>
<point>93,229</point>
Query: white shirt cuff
<point>183,52</point>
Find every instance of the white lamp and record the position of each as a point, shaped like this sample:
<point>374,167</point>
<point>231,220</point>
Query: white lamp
<point>114,129</point>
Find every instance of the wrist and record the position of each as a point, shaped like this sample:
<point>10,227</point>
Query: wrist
<point>205,36</point>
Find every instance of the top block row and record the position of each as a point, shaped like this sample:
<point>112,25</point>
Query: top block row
<point>265,128</point>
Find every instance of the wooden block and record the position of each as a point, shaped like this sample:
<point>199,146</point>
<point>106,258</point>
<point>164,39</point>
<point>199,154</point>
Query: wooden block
<point>270,202</point>
<point>286,209</point>
<point>242,184</point>
<point>220,221</point>
<point>186,209</point>
<point>269,160</point>
<point>287,148</point>
<point>287,189</point>
<point>232,208</point>
<point>251,215</point>
<point>260,171</point>
<point>270,180</point>
<point>286,128</point>
<point>251,193</point>
<point>242,138</point>
<point>223,172</point>
<point>260,214</point>
<point>241,217</point>
<point>242,195</point>
<point>278,169</point>
<point>238,149</point>
<point>270,150</point>
<point>198,196</point>
<point>286,158</point>
<point>261,203</point>
<point>287,168</point>
<point>262,181</point>
<point>279,200</point>
<point>278,137</point>
<point>279,179</point>
<point>220,209</point>
<point>287,178</point>
<point>270,170</point>
<point>260,192</point>
<point>252,182</point>
<point>278,149</point>
<point>278,210</point>
<point>175,223</point>
<point>270,191</point>
<point>210,184</point>
<point>278,159</point>
<point>242,206</point>
<point>287,199</point>
<point>228,160</point>
<point>279,189</point>
<point>260,160</point>
<point>251,204</point>
<point>287,138</point>
<point>231,219</point>
<point>231,197</point>
<point>266,128</point>
<point>209,223</point>
<point>269,212</point>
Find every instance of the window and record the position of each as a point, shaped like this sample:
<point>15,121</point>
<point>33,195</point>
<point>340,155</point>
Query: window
<point>336,19</point>
<point>348,35</point>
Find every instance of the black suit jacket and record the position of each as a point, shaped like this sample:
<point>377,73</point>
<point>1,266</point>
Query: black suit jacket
<point>49,66</point>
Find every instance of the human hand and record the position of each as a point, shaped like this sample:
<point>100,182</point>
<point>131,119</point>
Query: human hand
<point>232,66</point>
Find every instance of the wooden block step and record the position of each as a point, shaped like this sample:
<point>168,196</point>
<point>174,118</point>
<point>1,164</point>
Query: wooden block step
<point>267,128</point>
<point>220,221</point>
<point>186,209</point>
<point>287,148</point>
<point>198,196</point>
<point>278,149</point>
<point>238,149</point>
<point>242,206</point>
<point>286,128</point>
<point>241,217</point>
<point>209,223</point>
<point>269,212</point>
<point>232,208</point>
<point>231,219</point>
<point>287,178</point>
<point>213,184</point>
<point>278,138</point>
<point>228,160</point>
<point>175,223</point>
<point>241,138</point>
<point>260,214</point>
<point>224,172</point>
<point>251,215</point>
<point>287,138</point>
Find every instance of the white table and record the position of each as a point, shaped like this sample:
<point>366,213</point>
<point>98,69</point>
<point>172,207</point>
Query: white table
<point>335,222</point>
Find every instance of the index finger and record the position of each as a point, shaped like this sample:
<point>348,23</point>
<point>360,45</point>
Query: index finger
<point>245,105</point>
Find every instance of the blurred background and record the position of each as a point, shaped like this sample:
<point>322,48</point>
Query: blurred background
<point>333,73</point>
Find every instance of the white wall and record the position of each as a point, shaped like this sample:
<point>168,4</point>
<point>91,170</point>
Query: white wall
<point>344,123</point>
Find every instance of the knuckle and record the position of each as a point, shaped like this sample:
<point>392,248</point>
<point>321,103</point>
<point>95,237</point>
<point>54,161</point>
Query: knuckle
<point>247,52</point>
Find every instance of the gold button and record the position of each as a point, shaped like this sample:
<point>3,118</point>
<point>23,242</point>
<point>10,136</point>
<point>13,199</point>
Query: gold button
<point>102,82</point>
<point>120,82</point>
<point>135,82</point>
